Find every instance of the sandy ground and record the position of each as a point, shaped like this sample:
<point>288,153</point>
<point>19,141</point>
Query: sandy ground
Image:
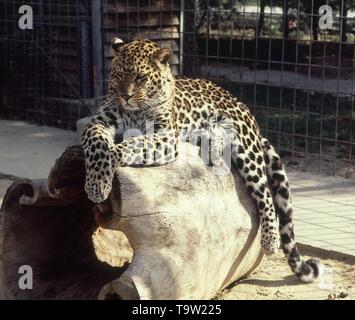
<point>273,279</point>
<point>29,150</point>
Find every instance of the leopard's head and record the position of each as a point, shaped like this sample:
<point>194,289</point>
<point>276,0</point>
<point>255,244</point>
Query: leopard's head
<point>141,76</point>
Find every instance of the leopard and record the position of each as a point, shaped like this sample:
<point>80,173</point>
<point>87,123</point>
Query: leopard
<point>145,97</point>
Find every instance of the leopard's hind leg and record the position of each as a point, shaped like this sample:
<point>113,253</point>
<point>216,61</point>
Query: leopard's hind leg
<point>251,167</point>
<point>247,156</point>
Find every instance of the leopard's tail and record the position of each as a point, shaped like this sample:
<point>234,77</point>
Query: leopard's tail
<point>308,270</point>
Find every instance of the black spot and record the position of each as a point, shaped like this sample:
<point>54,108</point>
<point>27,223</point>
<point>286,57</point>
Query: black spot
<point>278,177</point>
<point>250,189</point>
<point>276,165</point>
<point>284,193</point>
<point>240,163</point>
<point>244,129</point>
<point>240,149</point>
<point>267,159</point>
<point>252,167</point>
<point>110,115</point>
<point>285,217</point>
<point>256,179</point>
<point>259,194</point>
<point>313,264</point>
<point>285,239</point>
<point>294,253</point>
<point>262,188</point>
<point>259,160</point>
<point>261,205</point>
<point>252,156</point>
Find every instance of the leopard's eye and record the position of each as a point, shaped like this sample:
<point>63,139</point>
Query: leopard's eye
<point>141,78</point>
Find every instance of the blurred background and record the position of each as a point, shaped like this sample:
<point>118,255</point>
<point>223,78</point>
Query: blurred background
<point>295,75</point>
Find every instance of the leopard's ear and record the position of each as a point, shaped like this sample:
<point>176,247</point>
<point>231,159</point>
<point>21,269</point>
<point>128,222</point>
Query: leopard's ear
<point>116,44</point>
<point>163,56</point>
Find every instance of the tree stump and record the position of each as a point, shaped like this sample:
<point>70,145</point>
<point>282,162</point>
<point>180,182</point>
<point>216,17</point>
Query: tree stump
<point>192,229</point>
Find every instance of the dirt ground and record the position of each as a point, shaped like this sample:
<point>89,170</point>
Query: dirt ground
<point>273,280</point>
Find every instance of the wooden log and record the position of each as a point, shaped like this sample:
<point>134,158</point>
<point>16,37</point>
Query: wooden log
<point>193,230</point>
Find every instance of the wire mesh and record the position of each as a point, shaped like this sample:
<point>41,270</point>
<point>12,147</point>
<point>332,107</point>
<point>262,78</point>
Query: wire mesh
<point>44,74</point>
<point>297,77</point>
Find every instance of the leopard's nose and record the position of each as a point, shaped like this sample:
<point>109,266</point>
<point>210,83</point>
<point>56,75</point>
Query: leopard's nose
<point>127,96</point>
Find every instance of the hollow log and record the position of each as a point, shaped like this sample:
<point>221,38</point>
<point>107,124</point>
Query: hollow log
<point>179,231</point>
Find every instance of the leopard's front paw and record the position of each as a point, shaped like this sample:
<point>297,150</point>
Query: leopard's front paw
<point>98,188</point>
<point>98,191</point>
<point>270,243</point>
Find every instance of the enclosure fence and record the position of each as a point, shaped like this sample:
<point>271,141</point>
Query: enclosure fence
<point>291,61</point>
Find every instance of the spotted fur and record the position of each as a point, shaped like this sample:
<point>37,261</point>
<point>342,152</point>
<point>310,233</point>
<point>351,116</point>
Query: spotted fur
<point>144,95</point>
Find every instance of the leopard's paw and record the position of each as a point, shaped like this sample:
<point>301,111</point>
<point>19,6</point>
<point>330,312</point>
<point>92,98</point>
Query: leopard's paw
<point>98,189</point>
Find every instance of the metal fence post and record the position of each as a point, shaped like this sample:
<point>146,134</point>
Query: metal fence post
<point>98,49</point>
<point>85,49</point>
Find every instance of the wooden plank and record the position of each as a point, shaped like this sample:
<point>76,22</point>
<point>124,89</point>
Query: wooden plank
<point>140,20</point>
<point>111,9</point>
<point>166,33</point>
<point>123,6</point>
